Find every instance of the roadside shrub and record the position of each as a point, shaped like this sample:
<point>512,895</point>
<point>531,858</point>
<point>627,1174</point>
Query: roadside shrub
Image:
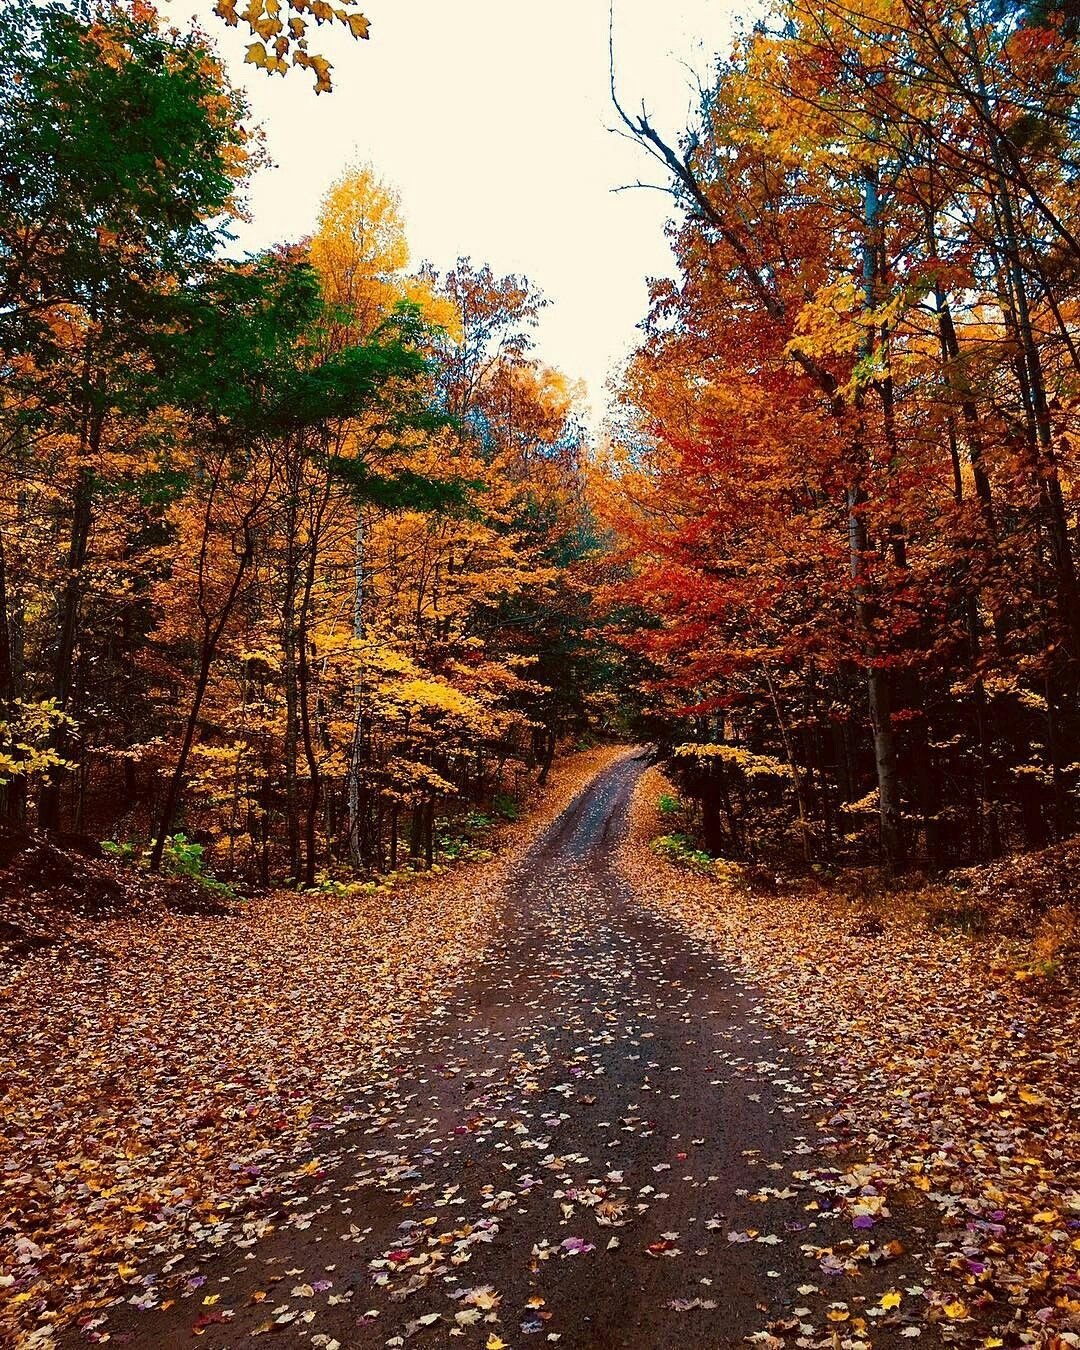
<point>182,857</point>
<point>682,851</point>
<point>506,806</point>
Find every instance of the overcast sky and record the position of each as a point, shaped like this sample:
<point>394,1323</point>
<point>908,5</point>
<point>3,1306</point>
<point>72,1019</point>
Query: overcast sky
<point>491,118</point>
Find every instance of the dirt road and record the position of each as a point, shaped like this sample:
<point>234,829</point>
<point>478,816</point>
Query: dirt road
<point>600,1142</point>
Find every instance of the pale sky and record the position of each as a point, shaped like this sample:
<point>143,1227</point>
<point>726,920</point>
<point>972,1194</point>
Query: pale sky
<point>490,117</point>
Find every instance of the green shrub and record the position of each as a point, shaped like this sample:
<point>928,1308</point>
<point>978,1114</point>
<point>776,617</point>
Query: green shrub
<point>678,849</point>
<point>182,857</point>
<point>325,884</point>
<point>506,806</point>
<point>476,822</point>
<point>123,851</point>
<point>952,906</point>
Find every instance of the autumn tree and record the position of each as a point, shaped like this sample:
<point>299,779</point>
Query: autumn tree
<point>123,148</point>
<point>858,403</point>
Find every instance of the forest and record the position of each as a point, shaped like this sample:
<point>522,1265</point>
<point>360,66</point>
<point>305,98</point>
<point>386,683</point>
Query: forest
<point>295,550</point>
<point>300,551</point>
<point>413,755</point>
<point>850,439</point>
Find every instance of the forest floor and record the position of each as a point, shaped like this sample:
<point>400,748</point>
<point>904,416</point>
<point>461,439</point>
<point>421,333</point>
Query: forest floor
<point>950,1060</point>
<point>575,1095</point>
<point>157,1060</point>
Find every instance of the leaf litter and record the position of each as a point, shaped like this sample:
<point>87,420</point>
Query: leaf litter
<point>162,1072</point>
<point>934,1057</point>
<point>597,1122</point>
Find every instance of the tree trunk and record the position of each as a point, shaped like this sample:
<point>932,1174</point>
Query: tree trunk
<point>289,680</point>
<point>879,686</point>
<point>211,638</point>
<point>550,743</point>
<point>176,781</point>
<point>356,755</point>
<point>304,670</point>
<point>49,799</point>
<point>10,798</point>
<point>1051,502</point>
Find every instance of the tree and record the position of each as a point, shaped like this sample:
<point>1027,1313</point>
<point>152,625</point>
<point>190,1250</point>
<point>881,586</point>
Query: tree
<point>281,27</point>
<point>122,151</point>
<point>272,401</point>
<point>853,418</point>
